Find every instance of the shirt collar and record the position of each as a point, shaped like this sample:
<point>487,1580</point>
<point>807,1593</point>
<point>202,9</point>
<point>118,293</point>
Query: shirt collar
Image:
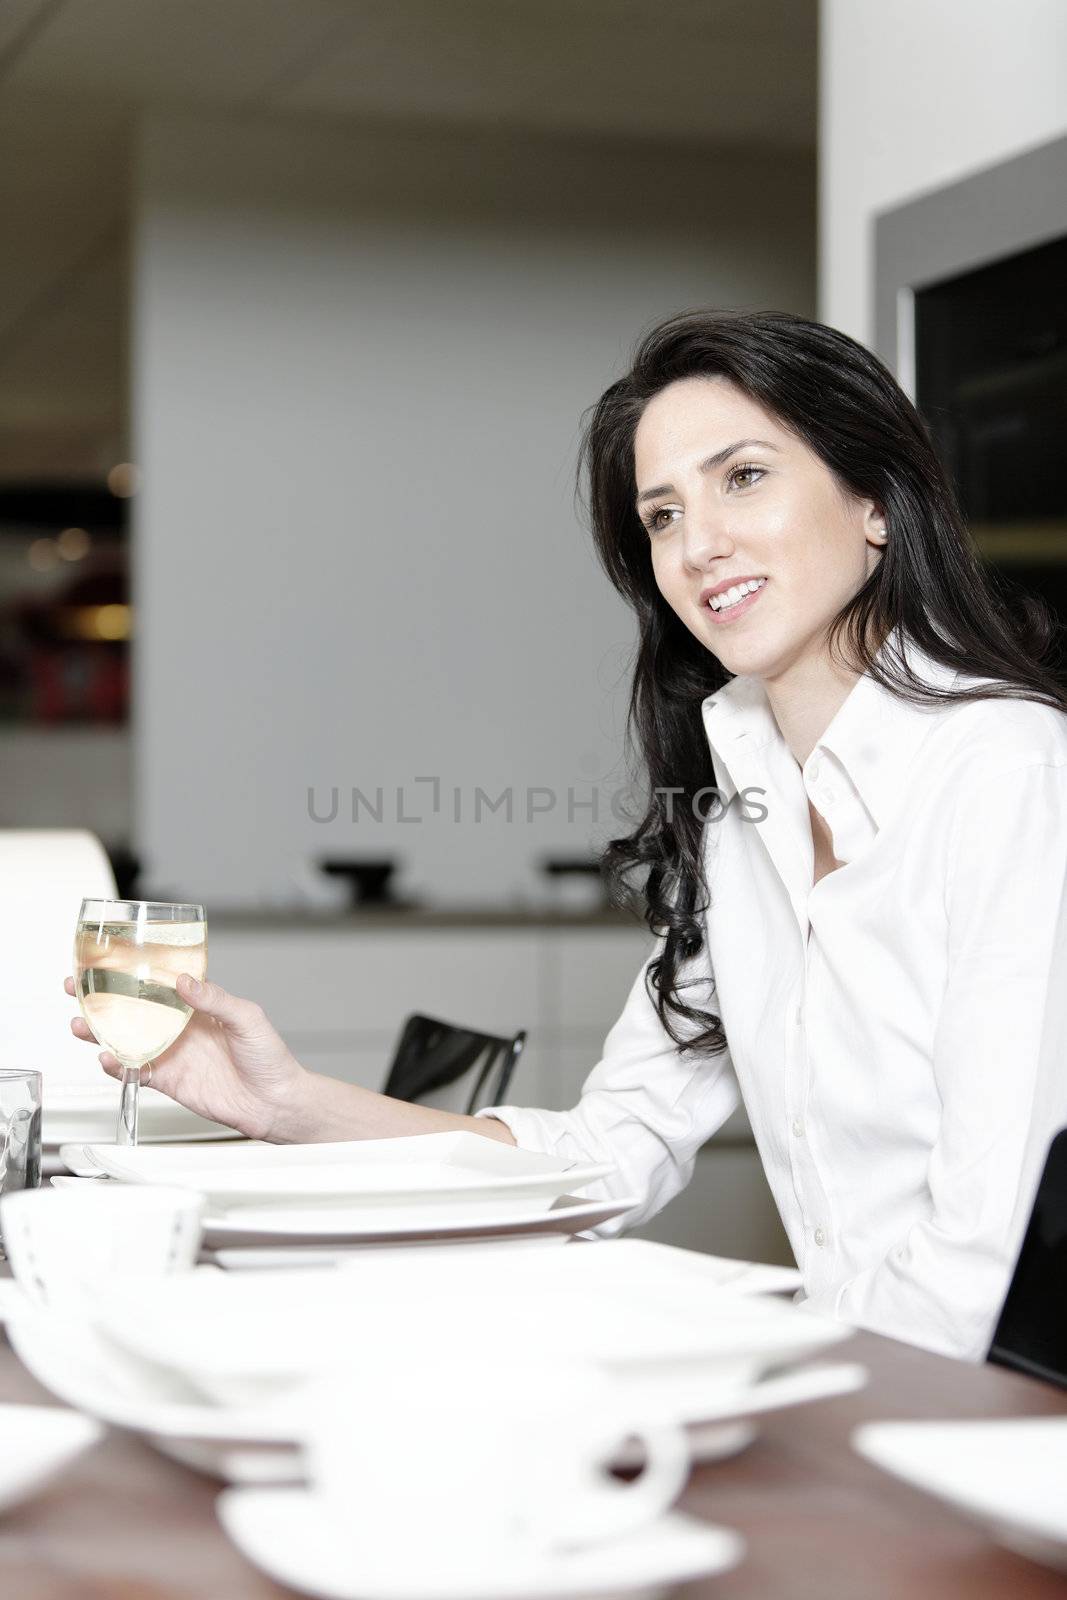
<point>874,734</point>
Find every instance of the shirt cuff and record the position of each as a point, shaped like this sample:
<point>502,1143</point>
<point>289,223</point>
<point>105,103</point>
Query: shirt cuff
<point>524,1125</point>
<point>552,1133</point>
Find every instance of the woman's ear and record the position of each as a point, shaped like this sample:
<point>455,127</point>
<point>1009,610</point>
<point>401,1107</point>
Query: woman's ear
<point>875,530</point>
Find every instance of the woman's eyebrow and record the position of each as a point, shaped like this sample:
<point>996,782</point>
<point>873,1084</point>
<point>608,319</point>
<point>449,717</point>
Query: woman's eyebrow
<point>706,466</point>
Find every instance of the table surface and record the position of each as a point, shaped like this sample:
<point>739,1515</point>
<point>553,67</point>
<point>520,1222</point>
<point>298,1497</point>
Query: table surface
<point>124,1523</point>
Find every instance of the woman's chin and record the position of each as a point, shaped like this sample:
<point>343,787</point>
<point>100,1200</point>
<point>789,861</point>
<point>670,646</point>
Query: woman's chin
<point>751,657</point>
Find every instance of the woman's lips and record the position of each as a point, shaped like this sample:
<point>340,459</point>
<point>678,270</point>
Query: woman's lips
<point>733,612</point>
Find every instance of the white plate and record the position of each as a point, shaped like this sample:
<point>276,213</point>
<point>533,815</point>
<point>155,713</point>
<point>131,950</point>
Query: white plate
<point>458,1169</point>
<point>1008,1475</point>
<point>74,1158</point>
<point>566,1215</point>
<point>38,1442</point>
<point>70,1131</point>
<point>285,1533</point>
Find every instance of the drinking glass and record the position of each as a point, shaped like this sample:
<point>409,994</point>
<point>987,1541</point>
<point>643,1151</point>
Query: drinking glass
<point>127,957</point>
<point>20,1132</point>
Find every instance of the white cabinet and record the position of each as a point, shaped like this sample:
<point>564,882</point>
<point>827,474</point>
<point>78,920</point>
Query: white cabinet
<point>356,981</point>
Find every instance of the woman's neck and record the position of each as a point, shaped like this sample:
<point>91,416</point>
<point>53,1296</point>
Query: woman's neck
<point>805,700</point>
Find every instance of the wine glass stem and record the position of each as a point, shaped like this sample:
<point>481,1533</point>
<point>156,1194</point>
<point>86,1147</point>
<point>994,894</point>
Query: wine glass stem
<point>127,1129</point>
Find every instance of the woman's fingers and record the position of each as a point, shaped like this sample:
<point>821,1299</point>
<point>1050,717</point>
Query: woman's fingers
<point>111,1065</point>
<point>78,1025</point>
<point>244,1018</point>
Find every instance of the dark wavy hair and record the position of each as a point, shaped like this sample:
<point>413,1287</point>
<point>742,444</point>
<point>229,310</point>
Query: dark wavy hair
<point>832,393</point>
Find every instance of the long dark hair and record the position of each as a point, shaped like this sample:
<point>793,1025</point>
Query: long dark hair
<point>846,405</point>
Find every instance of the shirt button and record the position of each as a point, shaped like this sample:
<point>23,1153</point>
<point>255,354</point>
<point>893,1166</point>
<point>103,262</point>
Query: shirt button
<point>798,1128</point>
<point>826,796</point>
<point>798,1016</point>
<point>814,770</point>
<point>819,1237</point>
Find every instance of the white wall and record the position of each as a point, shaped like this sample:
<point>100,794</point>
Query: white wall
<point>915,94</point>
<point>360,363</point>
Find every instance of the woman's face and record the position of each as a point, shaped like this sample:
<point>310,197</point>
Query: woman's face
<point>720,510</point>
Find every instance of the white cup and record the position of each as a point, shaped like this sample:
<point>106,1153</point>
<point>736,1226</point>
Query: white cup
<point>62,1243</point>
<point>461,1468</point>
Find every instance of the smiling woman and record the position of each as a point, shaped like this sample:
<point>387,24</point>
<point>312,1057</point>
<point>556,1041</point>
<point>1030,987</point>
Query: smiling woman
<point>870,950</point>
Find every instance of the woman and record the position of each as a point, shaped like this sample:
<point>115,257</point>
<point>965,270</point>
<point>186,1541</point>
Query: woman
<point>854,850</point>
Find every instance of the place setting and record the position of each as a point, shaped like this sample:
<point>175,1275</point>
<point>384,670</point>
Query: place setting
<point>630,1356</point>
<point>558,1522</point>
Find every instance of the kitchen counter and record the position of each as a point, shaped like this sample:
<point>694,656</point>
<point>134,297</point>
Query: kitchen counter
<point>420,917</point>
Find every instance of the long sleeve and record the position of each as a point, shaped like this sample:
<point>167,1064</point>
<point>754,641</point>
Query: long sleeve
<point>1000,1066</point>
<point>643,1107</point>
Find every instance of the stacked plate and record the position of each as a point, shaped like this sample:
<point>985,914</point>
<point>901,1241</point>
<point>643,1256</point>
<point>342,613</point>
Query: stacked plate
<point>446,1185</point>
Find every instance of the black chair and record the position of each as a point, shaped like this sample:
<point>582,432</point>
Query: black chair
<point>455,1069</point>
<point>1031,1333</point>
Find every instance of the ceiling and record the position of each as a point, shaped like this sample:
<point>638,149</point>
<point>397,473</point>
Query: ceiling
<point>76,74</point>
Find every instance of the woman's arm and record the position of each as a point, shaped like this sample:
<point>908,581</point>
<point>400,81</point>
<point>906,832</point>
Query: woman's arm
<point>1000,1064</point>
<point>325,1108</point>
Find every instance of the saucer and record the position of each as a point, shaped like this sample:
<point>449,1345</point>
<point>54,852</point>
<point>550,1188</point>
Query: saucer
<point>287,1534</point>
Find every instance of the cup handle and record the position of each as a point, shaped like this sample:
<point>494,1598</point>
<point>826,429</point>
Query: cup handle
<point>616,1508</point>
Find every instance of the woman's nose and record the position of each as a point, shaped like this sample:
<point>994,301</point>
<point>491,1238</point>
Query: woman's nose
<point>705,536</point>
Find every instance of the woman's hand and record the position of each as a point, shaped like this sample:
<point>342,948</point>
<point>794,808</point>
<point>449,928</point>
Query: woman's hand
<point>228,1064</point>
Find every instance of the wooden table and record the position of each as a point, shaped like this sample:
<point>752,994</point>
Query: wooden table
<point>126,1524</point>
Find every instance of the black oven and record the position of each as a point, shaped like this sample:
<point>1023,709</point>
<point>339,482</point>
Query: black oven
<point>991,382</point>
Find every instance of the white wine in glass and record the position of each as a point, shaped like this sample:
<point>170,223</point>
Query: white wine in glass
<point>127,957</point>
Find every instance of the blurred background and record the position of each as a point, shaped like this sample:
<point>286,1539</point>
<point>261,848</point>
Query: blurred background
<point>301,303</point>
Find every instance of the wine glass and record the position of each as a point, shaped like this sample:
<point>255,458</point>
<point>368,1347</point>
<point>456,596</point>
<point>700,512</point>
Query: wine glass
<point>127,956</point>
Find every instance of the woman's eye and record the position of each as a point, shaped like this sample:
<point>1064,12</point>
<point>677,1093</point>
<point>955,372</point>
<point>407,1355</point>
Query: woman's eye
<point>660,519</point>
<point>745,469</point>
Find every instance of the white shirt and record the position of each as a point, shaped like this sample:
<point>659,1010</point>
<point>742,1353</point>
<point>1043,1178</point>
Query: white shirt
<point>898,1031</point>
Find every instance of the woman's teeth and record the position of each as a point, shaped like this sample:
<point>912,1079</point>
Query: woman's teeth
<point>730,597</point>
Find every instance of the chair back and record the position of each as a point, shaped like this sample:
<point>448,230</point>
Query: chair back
<point>455,1069</point>
<point>45,873</point>
<point>1031,1333</point>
